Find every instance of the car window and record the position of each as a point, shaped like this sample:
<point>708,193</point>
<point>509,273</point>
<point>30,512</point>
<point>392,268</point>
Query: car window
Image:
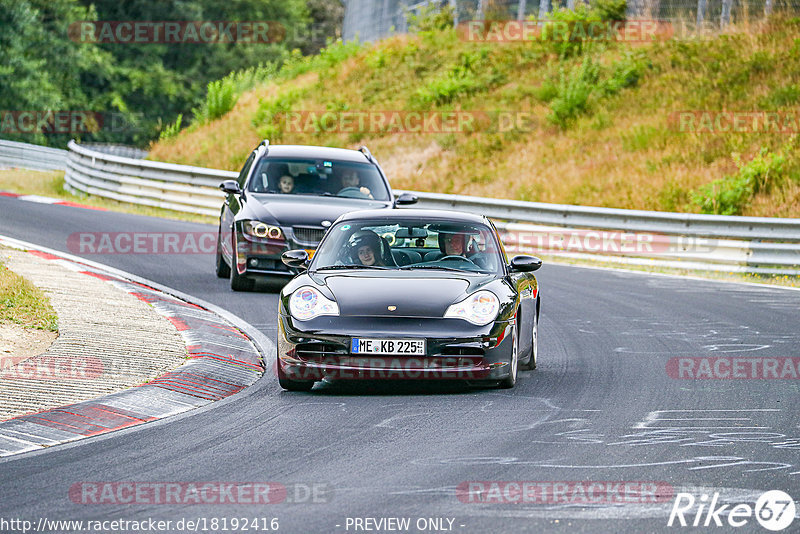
<point>291,176</point>
<point>410,245</point>
<point>246,169</point>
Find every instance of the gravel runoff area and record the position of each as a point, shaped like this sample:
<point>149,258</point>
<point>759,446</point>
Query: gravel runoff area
<point>108,340</point>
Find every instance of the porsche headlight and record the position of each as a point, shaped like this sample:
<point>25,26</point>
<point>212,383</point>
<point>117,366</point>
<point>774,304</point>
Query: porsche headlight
<point>307,303</point>
<point>480,308</point>
<point>262,230</point>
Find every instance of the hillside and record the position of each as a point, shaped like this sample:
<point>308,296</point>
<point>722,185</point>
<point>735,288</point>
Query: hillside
<point>598,124</point>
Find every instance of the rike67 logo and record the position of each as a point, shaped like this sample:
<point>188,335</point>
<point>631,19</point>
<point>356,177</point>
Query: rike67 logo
<point>774,510</point>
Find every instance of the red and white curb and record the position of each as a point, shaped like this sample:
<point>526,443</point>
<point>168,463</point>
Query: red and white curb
<point>47,200</point>
<point>225,356</point>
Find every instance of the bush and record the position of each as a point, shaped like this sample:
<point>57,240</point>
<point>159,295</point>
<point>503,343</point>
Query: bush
<point>269,118</point>
<point>610,10</point>
<point>171,130</point>
<point>731,194</point>
<point>430,18</point>
<point>470,74</point>
<point>574,90</point>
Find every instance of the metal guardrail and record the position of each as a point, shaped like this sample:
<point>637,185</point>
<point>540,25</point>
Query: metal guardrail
<point>26,156</point>
<point>150,183</point>
<point>690,241</point>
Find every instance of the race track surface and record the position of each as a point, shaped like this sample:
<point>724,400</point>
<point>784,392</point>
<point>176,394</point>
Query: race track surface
<point>600,408</point>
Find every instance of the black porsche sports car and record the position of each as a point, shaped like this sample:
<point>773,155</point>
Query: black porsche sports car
<point>285,198</point>
<point>408,294</point>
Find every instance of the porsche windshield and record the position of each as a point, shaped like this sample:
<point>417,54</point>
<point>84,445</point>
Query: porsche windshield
<point>318,178</point>
<point>410,245</point>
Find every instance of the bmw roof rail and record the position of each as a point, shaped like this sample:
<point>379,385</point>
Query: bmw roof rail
<point>364,150</point>
<point>265,142</point>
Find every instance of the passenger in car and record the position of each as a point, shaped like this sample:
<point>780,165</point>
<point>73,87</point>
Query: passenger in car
<point>286,184</point>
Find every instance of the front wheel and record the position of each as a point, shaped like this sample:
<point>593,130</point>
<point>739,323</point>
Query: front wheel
<point>293,385</point>
<point>531,364</point>
<point>240,282</point>
<point>511,380</point>
<point>223,269</point>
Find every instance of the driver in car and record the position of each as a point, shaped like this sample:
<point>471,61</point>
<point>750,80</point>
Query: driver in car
<point>453,244</point>
<point>351,180</point>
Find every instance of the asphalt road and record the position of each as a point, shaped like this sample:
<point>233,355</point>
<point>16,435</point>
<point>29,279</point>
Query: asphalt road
<point>601,408</point>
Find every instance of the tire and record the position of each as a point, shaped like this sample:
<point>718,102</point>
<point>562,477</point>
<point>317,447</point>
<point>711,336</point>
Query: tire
<point>531,364</point>
<point>241,283</point>
<point>238,281</point>
<point>223,269</point>
<point>293,385</point>
<point>511,380</point>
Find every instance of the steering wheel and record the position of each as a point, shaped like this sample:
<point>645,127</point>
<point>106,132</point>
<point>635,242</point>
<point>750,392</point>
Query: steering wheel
<point>457,257</point>
<point>351,192</point>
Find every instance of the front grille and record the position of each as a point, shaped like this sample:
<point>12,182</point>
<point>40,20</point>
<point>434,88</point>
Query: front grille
<point>463,351</point>
<point>319,351</point>
<point>308,234</point>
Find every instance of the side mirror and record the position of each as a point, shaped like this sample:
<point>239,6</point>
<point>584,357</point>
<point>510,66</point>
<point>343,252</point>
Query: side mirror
<point>231,187</point>
<point>525,264</point>
<point>406,199</point>
<point>297,259</point>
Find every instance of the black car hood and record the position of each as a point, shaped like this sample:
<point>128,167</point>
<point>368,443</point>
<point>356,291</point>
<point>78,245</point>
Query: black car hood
<point>417,295</point>
<point>290,210</point>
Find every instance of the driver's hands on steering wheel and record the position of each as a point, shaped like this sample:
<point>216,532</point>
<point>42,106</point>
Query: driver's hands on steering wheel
<point>457,257</point>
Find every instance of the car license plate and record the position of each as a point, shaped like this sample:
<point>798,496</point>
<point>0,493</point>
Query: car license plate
<point>394,347</point>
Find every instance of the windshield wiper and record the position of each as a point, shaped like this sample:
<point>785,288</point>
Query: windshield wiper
<point>320,194</point>
<point>437,267</point>
<point>352,266</point>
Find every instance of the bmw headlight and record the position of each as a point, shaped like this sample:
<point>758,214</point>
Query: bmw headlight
<point>480,308</point>
<point>262,230</point>
<point>306,303</point>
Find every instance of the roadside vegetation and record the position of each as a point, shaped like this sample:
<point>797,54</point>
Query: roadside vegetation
<point>24,304</point>
<point>51,184</point>
<point>594,123</point>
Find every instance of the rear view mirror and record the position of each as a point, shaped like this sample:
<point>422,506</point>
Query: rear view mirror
<point>295,258</point>
<point>411,233</point>
<point>525,264</point>
<point>405,199</point>
<point>231,187</point>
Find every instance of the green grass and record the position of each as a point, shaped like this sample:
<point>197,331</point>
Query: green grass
<point>24,304</point>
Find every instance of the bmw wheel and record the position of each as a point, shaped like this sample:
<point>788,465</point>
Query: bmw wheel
<point>223,269</point>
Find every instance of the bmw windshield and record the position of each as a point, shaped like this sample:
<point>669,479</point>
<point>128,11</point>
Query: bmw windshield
<point>317,177</point>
